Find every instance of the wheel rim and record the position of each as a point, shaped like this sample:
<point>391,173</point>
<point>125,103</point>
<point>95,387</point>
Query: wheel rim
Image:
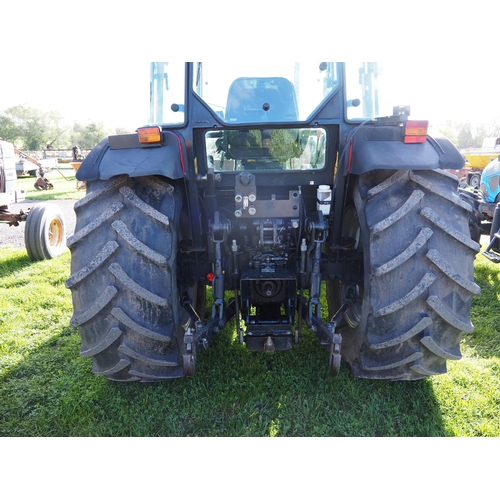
<point>55,233</point>
<point>474,181</point>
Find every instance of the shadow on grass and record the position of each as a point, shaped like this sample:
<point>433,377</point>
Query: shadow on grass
<point>485,314</point>
<point>236,392</point>
<point>14,264</point>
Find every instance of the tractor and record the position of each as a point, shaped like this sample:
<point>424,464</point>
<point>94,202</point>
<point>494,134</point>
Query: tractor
<point>282,191</point>
<point>485,200</point>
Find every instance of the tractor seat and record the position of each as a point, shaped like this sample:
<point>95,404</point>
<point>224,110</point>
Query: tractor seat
<point>261,100</point>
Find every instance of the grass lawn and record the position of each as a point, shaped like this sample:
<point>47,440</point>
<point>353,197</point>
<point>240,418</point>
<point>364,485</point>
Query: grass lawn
<point>46,389</point>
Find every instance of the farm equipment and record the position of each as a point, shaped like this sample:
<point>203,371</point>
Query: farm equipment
<point>44,233</point>
<point>76,166</point>
<point>278,190</point>
<point>486,204</point>
<point>42,183</point>
<point>490,181</point>
<point>478,159</point>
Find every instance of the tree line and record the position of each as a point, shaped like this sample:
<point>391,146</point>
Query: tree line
<point>466,134</point>
<point>31,129</point>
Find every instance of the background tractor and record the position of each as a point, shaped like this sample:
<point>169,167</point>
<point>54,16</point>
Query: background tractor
<point>478,159</point>
<point>485,200</point>
<point>272,188</point>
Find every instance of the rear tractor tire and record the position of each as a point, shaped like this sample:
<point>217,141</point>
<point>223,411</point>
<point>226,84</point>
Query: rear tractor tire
<point>414,304</point>
<point>124,286</point>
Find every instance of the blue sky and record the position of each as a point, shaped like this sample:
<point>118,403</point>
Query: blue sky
<point>117,93</point>
<point>90,61</point>
<point>114,93</point>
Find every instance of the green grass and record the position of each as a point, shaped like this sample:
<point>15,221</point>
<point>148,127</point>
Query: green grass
<point>46,389</point>
<point>64,181</point>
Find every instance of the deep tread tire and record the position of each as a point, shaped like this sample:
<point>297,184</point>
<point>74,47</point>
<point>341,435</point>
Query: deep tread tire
<point>415,302</point>
<point>123,280</point>
<point>45,232</point>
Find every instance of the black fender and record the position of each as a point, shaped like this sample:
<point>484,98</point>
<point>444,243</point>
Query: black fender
<point>373,148</point>
<point>123,154</point>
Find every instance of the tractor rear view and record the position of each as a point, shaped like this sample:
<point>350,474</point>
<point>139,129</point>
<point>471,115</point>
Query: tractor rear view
<point>270,182</point>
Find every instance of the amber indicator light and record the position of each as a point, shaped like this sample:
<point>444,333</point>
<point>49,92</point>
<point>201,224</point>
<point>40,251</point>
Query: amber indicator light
<point>148,135</point>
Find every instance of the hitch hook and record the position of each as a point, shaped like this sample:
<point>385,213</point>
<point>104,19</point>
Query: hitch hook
<point>189,358</point>
<point>335,357</point>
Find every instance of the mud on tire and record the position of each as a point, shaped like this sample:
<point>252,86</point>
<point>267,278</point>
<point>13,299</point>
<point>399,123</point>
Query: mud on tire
<point>123,279</point>
<point>414,304</point>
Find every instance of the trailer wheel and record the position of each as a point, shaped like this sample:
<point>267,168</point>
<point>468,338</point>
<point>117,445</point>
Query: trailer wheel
<point>45,232</point>
<point>415,300</point>
<point>124,286</point>
<point>475,180</point>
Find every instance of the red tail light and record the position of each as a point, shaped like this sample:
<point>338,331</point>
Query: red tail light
<point>416,131</point>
